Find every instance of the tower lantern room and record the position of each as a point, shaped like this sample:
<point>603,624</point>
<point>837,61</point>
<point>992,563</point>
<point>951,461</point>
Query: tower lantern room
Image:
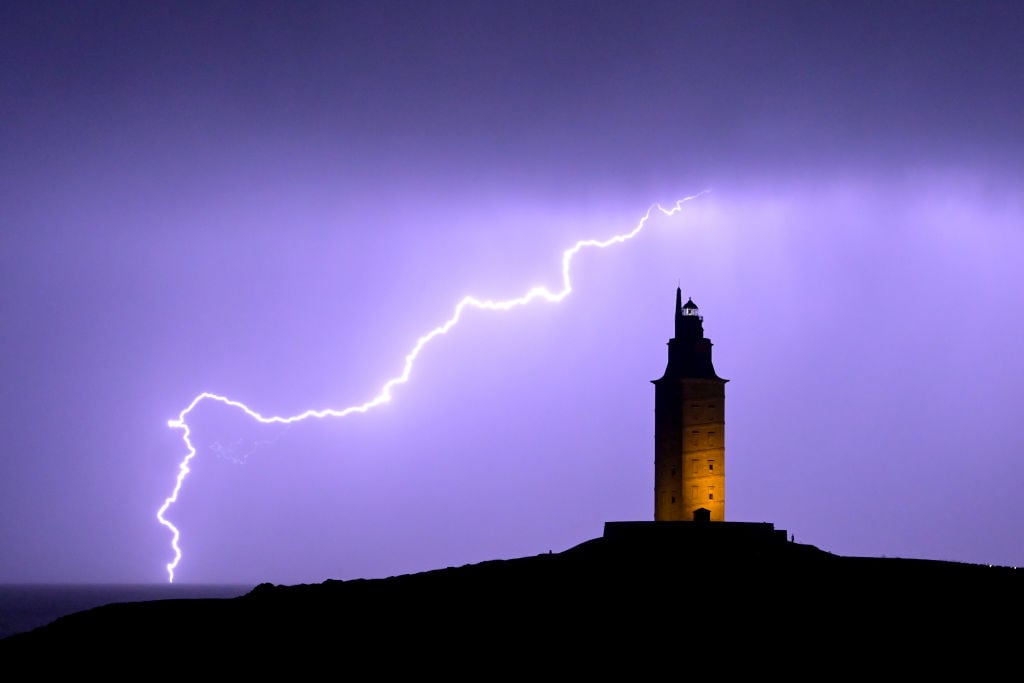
<point>689,425</point>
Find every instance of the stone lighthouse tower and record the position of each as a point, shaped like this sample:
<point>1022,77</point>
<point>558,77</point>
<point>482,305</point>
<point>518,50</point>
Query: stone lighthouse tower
<point>689,426</point>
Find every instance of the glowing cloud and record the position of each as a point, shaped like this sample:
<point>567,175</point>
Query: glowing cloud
<point>384,395</point>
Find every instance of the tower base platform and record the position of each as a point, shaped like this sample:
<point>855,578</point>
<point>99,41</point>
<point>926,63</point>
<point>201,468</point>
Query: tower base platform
<point>740,533</point>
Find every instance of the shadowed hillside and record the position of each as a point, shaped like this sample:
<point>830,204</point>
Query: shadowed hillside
<point>606,602</point>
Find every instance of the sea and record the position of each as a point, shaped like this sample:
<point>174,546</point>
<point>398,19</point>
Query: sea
<point>24,607</point>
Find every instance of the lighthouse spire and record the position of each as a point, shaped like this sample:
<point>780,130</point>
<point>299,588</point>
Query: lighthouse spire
<point>689,351</point>
<point>679,311</point>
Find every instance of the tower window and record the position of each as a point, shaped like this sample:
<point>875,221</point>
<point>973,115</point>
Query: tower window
<point>696,466</point>
<point>711,465</point>
<point>673,499</point>
<point>711,493</point>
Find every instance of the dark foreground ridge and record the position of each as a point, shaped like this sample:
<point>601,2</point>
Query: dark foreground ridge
<point>646,593</point>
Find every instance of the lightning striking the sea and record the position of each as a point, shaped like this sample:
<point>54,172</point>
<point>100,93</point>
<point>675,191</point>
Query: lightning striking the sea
<point>384,395</point>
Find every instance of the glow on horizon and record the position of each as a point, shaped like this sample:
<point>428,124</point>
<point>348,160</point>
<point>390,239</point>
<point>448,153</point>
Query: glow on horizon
<point>384,395</point>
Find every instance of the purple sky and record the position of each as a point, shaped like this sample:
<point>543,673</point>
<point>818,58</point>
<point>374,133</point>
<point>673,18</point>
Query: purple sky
<point>273,201</point>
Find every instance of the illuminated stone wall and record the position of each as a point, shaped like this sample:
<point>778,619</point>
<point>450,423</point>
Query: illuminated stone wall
<point>689,457</point>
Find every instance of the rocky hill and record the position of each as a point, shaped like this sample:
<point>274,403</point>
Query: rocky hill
<point>639,604</point>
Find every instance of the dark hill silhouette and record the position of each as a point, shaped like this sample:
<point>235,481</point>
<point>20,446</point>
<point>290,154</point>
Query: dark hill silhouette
<point>637,604</point>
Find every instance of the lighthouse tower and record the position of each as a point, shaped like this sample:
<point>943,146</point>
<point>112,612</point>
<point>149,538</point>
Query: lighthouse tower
<point>689,426</point>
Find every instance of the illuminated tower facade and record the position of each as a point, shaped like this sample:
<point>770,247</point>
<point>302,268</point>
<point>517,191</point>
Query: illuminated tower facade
<point>689,426</point>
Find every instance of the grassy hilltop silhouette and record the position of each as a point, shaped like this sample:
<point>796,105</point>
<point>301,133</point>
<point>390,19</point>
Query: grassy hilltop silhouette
<point>604,603</point>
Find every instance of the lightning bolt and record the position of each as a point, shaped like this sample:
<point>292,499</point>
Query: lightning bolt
<point>384,395</point>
